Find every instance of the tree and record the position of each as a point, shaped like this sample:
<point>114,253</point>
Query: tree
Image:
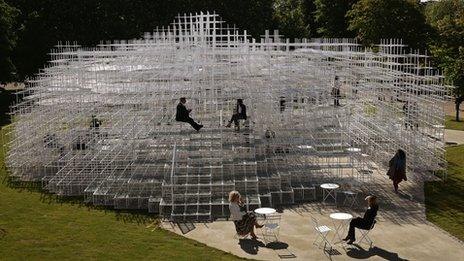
<point>8,15</point>
<point>373,20</point>
<point>447,19</point>
<point>330,16</point>
<point>42,23</point>
<point>290,17</point>
<point>309,17</point>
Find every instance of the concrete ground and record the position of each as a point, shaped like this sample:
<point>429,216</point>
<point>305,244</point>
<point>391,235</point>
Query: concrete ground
<point>454,136</point>
<point>402,232</point>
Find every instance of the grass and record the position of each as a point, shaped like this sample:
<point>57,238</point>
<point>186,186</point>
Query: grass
<point>35,225</point>
<point>444,201</point>
<point>451,123</point>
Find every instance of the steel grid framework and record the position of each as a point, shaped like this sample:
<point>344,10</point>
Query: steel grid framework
<point>295,138</point>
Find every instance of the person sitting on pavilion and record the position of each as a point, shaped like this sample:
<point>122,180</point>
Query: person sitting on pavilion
<point>336,91</point>
<point>183,115</point>
<point>364,222</point>
<point>239,114</point>
<point>95,122</point>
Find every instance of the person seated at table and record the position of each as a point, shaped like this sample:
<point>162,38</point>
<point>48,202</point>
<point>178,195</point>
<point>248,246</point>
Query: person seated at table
<point>244,221</point>
<point>239,114</point>
<point>364,222</point>
<point>183,114</point>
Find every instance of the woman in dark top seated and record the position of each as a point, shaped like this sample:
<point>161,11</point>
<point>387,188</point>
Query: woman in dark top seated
<point>363,222</point>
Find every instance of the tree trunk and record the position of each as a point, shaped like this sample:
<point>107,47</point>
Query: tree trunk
<point>458,102</point>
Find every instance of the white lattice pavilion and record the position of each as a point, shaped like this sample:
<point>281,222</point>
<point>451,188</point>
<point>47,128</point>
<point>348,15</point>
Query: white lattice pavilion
<point>295,138</point>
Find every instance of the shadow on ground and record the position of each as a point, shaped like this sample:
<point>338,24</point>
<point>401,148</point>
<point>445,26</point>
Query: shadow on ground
<point>360,253</point>
<point>251,246</point>
<point>406,207</point>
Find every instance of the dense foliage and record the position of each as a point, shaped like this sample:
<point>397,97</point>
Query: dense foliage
<point>43,23</point>
<point>30,28</point>
<point>8,15</point>
<point>374,20</point>
<point>291,14</point>
<point>447,19</point>
<point>331,18</point>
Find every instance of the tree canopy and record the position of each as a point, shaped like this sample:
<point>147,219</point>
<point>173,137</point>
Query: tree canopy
<point>330,16</point>
<point>30,28</point>
<point>43,23</point>
<point>291,17</point>
<point>379,19</point>
<point>8,15</point>
<point>447,19</point>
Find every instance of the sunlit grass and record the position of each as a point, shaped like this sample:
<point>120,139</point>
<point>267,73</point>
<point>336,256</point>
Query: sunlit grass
<point>452,124</point>
<point>445,200</point>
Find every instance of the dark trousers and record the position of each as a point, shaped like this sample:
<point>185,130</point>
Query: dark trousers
<point>357,223</point>
<point>235,118</point>
<point>336,102</point>
<point>189,120</point>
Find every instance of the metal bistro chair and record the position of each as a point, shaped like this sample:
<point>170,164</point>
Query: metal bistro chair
<point>351,196</point>
<point>271,227</point>
<point>365,235</point>
<point>322,232</point>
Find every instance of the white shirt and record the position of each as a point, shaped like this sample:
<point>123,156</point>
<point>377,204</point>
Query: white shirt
<point>239,109</point>
<point>235,213</point>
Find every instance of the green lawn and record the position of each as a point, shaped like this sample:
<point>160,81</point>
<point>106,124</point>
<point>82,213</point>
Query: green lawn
<point>451,123</point>
<point>35,225</point>
<point>444,201</point>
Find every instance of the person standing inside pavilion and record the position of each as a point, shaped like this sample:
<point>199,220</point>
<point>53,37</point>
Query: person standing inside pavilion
<point>239,114</point>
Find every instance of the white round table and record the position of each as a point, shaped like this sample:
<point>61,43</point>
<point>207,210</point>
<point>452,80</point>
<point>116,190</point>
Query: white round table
<point>329,190</point>
<point>265,211</point>
<point>340,221</point>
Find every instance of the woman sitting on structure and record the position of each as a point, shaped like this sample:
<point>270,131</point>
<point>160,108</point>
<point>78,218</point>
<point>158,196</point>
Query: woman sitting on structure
<point>244,222</point>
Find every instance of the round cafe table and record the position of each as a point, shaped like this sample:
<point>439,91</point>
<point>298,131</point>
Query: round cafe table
<point>265,211</point>
<point>340,221</point>
<point>329,190</point>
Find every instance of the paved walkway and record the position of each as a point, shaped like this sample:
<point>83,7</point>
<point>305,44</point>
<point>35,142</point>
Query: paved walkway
<point>456,136</point>
<point>402,232</point>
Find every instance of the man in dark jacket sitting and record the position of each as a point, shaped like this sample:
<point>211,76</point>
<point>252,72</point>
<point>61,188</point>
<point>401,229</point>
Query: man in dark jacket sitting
<point>239,113</point>
<point>366,221</point>
<point>182,114</point>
